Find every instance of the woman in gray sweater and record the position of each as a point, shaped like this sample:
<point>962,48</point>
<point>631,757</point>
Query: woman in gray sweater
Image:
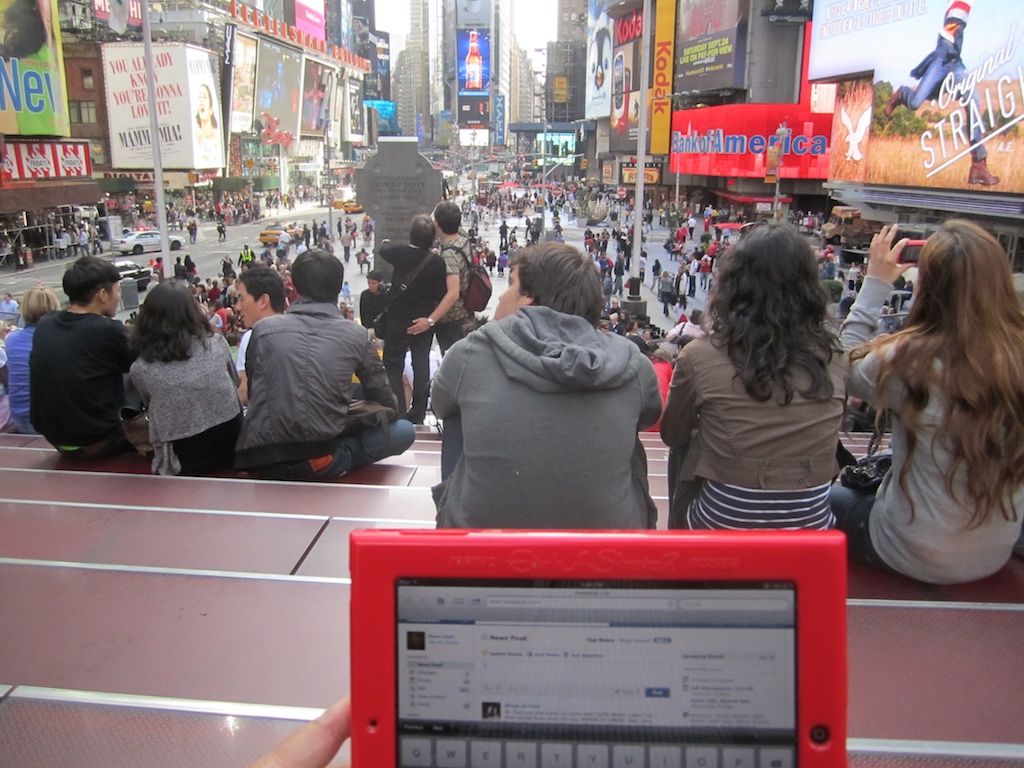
<point>949,509</point>
<point>188,381</point>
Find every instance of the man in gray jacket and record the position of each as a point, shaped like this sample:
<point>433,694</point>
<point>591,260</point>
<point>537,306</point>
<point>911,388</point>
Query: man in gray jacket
<point>549,408</point>
<point>300,367</point>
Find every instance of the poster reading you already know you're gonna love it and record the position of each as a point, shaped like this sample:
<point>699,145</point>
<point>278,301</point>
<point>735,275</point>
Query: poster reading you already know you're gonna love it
<point>187,106</point>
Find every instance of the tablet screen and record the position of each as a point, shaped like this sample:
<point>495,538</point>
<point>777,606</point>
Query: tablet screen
<point>517,674</point>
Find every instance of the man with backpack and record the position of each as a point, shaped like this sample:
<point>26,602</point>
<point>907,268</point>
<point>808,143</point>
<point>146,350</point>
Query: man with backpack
<point>454,321</point>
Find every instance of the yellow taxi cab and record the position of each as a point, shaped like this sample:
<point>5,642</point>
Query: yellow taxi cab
<point>348,206</point>
<point>270,235</point>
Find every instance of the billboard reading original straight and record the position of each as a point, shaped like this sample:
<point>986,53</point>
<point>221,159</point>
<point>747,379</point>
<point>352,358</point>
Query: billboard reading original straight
<point>944,98</point>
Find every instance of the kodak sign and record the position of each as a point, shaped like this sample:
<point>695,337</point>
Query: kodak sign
<point>660,96</point>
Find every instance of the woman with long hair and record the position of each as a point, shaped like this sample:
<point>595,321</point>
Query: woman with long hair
<point>953,380</point>
<point>34,304</point>
<point>188,381</point>
<point>754,407</point>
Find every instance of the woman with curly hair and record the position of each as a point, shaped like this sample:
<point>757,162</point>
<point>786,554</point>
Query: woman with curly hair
<point>754,407</point>
<point>188,381</point>
<point>953,379</point>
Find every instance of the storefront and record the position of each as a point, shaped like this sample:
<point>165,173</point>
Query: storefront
<point>41,185</point>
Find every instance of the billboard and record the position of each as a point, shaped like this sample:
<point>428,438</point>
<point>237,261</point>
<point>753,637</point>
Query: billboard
<point>278,87</point>
<point>711,45</point>
<point>387,117</point>
<point>33,91</point>
<point>27,160</point>
<point>626,57</point>
<point>599,60</point>
<point>101,10</point>
<point>310,18</point>
<point>734,140</point>
<point>661,79</point>
<point>474,60</point>
<point>382,66</point>
<point>188,106</point>
<point>243,83</point>
<point>377,82</point>
<point>356,112</point>
<point>473,13</point>
<point>474,112</point>
<point>499,119</point>
<point>316,77</point>
<point>627,173</point>
<point>942,105</point>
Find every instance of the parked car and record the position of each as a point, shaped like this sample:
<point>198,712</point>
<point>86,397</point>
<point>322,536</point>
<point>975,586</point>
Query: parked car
<point>129,270</point>
<point>145,240</point>
<point>270,235</point>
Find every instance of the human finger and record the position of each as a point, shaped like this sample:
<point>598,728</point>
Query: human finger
<point>313,745</point>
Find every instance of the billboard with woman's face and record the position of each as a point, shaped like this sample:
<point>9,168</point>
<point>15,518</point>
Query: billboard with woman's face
<point>207,128</point>
<point>187,106</point>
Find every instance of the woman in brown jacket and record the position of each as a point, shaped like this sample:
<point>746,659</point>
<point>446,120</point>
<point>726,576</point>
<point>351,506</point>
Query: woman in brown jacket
<point>754,407</point>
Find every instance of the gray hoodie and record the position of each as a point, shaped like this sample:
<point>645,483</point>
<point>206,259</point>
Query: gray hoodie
<point>550,408</point>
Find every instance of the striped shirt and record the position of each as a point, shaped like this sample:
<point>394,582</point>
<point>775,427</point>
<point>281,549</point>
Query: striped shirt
<point>731,507</point>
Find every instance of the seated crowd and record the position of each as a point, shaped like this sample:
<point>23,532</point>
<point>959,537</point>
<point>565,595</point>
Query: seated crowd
<point>542,405</point>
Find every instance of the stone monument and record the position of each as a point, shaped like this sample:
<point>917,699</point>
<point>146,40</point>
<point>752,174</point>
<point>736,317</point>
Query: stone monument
<point>396,184</point>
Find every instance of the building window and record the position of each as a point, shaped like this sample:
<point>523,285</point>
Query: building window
<point>88,83</point>
<point>82,112</point>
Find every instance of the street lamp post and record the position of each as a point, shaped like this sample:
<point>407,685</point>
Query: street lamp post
<point>635,304</point>
<point>781,135</point>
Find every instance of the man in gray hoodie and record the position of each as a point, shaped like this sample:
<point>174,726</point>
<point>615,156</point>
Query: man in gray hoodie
<point>549,408</point>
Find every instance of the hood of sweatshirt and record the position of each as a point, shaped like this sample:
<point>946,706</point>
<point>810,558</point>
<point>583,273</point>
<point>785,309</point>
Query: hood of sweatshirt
<point>551,352</point>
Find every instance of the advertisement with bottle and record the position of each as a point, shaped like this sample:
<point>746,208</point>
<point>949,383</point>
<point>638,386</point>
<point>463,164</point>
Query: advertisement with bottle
<point>474,59</point>
<point>626,61</point>
<point>943,104</point>
<point>598,76</point>
<point>711,44</point>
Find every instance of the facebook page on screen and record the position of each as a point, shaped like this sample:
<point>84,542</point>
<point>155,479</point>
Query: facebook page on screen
<point>578,660</point>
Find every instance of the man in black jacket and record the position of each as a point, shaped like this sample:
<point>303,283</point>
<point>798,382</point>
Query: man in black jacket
<point>79,358</point>
<point>417,287</point>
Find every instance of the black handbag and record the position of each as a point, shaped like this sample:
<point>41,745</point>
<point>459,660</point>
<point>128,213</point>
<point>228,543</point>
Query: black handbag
<point>867,474</point>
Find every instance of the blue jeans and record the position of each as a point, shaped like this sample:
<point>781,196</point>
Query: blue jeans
<point>853,513</point>
<point>933,75</point>
<point>356,450</point>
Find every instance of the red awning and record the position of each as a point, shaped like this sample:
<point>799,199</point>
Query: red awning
<point>750,198</point>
